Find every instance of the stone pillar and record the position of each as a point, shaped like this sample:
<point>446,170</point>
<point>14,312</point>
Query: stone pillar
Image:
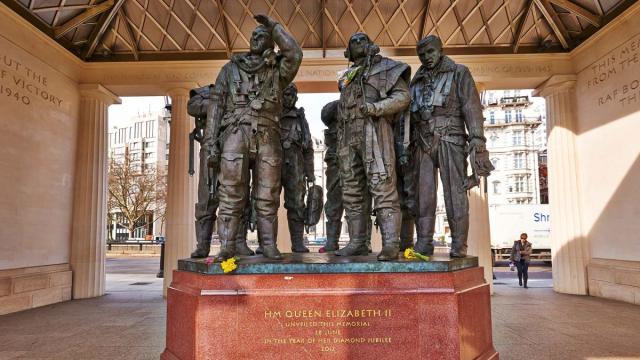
<point>181,188</point>
<point>480,231</point>
<point>569,247</point>
<point>284,236</point>
<point>376,238</point>
<point>479,228</point>
<point>88,237</point>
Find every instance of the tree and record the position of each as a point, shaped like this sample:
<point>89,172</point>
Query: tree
<point>135,190</point>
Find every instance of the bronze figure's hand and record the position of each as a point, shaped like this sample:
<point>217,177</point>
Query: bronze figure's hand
<point>266,21</point>
<point>311,178</point>
<point>477,145</point>
<point>368,109</point>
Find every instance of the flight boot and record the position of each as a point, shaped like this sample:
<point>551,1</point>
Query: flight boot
<point>268,232</point>
<point>424,232</point>
<point>389,223</point>
<point>204,229</point>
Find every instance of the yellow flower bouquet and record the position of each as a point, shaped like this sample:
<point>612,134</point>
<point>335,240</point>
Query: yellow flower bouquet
<point>411,254</point>
<point>229,265</point>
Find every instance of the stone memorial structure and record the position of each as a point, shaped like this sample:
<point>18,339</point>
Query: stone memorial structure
<point>341,304</point>
<point>62,65</point>
<point>330,307</point>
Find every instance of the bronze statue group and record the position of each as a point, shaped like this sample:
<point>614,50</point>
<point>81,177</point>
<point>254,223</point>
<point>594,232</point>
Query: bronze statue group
<point>388,138</point>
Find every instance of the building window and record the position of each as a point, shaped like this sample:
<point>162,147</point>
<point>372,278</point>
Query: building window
<point>494,139</point>
<point>496,187</point>
<point>517,137</point>
<point>519,116</point>
<point>492,117</point>
<point>519,183</point>
<point>516,92</point>
<point>495,162</point>
<point>518,161</point>
<point>507,116</point>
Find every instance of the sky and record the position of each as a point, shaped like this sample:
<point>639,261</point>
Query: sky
<point>132,106</point>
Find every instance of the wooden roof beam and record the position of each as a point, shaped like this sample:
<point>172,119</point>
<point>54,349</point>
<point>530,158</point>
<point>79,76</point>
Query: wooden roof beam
<point>423,31</point>
<point>227,38</point>
<point>323,40</point>
<point>523,21</point>
<point>129,32</point>
<point>98,31</point>
<point>578,10</point>
<point>554,21</point>
<point>81,18</point>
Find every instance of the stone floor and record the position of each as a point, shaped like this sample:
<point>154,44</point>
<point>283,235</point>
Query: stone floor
<point>128,322</point>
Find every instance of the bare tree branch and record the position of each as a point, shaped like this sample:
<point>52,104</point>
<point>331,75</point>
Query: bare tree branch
<point>135,191</point>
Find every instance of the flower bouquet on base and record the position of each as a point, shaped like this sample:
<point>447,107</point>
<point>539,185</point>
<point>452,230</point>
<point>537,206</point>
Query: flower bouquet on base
<point>411,254</point>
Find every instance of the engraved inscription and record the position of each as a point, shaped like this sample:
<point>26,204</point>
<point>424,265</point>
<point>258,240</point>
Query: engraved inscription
<point>620,61</point>
<point>23,84</point>
<point>613,79</point>
<point>328,328</point>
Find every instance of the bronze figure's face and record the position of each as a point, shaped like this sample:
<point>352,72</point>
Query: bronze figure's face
<point>289,97</point>
<point>260,41</point>
<point>358,46</point>
<point>430,53</point>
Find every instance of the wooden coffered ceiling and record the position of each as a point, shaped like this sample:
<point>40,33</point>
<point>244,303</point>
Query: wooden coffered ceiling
<point>125,30</point>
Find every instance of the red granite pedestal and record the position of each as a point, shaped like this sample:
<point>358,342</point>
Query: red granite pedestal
<point>416,315</point>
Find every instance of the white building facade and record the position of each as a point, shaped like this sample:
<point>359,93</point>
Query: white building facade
<point>145,138</point>
<point>515,128</point>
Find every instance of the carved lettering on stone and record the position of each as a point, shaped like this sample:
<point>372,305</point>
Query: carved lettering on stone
<point>24,84</point>
<point>614,79</point>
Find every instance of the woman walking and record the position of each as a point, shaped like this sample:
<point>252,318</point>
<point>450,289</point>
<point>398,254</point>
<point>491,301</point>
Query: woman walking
<point>521,257</point>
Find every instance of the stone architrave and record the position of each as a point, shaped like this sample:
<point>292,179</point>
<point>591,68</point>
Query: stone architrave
<point>181,188</point>
<point>88,239</point>
<point>569,247</point>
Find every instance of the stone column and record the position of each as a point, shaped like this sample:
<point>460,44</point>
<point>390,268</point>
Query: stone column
<point>480,231</point>
<point>181,188</point>
<point>569,247</point>
<point>479,228</point>
<point>88,237</point>
<point>376,238</point>
<point>284,236</point>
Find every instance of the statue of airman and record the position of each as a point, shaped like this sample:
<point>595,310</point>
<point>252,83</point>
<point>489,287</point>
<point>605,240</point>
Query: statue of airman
<point>207,205</point>
<point>372,92</point>
<point>447,117</point>
<point>297,169</point>
<point>333,208</point>
<point>246,142</point>
<point>406,173</point>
